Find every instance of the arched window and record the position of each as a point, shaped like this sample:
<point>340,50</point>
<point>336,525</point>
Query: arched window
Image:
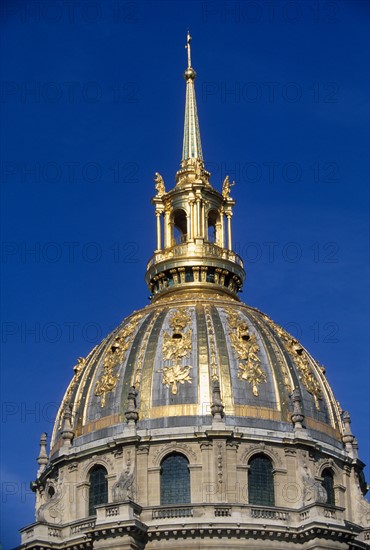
<point>328,484</point>
<point>98,491</point>
<point>261,481</point>
<point>212,226</point>
<point>175,480</point>
<point>179,226</point>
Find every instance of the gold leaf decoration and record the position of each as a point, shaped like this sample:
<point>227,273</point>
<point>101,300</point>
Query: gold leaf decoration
<point>211,339</point>
<point>114,357</point>
<point>301,359</point>
<point>78,368</point>
<point>246,347</point>
<point>176,346</point>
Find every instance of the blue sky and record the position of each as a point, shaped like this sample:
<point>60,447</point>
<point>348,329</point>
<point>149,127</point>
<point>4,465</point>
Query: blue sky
<point>282,94</point>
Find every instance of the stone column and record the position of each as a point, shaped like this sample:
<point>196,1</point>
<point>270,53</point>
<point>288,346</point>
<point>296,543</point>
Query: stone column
<point>159,236</point>
<point>198,218</point>
<point>208,483</point>
<point>167,237</point>
<point>232,487</point>
<point>229,235</point>
<point>142,474</point>
<point>222,239</point>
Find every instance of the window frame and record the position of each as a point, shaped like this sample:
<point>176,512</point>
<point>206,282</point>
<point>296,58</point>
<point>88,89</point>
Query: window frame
<point>258,498</point>
<point>92,505</point>
<point>171,499</point>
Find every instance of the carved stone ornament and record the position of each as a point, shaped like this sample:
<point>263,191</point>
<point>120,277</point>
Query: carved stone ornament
<point>115,355</point>
<point>313,491</point>
<point>171,447</point>
<point>52,507</point>
<point>261,447</point>
<point>124,488</point>
<point>176,346</point>
<point>246,347</point>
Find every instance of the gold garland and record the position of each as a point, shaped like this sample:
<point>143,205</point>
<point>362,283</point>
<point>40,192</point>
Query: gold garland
<point>115,356</point>
<point>246,347</point>
<point>177,345</point>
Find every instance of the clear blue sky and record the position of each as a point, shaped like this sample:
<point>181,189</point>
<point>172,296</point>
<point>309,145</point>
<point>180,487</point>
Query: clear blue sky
<point>283,106</point>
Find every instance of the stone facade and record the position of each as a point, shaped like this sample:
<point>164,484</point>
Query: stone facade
<point>219,513</point>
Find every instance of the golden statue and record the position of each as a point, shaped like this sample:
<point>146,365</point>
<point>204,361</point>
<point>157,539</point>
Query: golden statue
<point>159,184</point>
<point>226,186</point>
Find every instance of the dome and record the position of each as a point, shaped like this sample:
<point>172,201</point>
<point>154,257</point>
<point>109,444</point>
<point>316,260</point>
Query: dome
<point>174,351</point>
<point>198,422</point>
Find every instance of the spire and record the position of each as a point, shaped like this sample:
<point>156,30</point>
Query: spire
<point>194,242</point>
<point>192,147</point>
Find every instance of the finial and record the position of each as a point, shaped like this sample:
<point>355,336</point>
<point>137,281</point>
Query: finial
<point>67,432</point>
<point>188,40</point>
<point>217,408</point>
<point>297,416</point>
<point>189,74</point>
<point>347,436</point>
<point>131,412</point>
<point>42,459</point>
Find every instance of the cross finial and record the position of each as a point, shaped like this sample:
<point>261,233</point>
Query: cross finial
<point>188,40</point>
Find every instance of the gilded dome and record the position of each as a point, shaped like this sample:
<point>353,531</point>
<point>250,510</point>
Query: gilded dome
<point>174,351</point>
<point>198,422</point>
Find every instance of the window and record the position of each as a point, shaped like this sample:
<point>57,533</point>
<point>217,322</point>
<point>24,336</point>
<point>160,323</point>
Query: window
<point>328,484</point>
<point>212,226</point>
<point>175,480</point>
<point>261,481</point>
<point>179,226</point>
<point>98,491</point>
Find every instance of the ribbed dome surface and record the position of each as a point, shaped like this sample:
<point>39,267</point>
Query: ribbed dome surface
<point>173,350</point>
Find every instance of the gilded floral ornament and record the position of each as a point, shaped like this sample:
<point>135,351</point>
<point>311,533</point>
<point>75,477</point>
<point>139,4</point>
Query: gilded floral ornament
<point>246,347</point>
<point>176,346</point>
<point>115,355</point>
<point>301,359</point>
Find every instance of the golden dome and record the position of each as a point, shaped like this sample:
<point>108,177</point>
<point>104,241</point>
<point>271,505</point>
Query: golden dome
<point>173,351</point>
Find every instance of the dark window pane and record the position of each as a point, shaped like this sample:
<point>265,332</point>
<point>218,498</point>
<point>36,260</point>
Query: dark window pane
<point>261,481</point>
<point>175,480</point>
<point>98,492</point>
<point>328,484</point>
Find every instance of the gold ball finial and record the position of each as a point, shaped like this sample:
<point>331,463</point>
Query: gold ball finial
<point>190,74</point>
